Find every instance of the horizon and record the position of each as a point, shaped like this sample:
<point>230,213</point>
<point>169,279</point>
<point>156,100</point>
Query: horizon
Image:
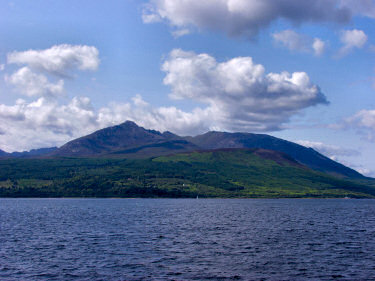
<point>303,72</point>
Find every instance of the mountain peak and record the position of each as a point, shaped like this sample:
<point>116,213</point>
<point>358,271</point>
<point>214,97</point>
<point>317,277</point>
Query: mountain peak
<point>129,123</point>
<point>125,136</point>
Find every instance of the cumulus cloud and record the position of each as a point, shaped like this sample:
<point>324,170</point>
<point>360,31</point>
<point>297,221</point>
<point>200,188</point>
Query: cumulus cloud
<point>234,95</point>
<point>45,122</point>
<point>247,100</point>
<point>58,60</point>
<point>2,67</point>
<point>352,39</point>
<point>159,118</point>
<point>32,84</point>
<point>299,42</point>
<point>238,92</point>
<point>247,17</point>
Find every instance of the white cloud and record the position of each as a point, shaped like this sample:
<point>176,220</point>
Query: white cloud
<point>59,59</point>
<point>363,122</point>
<point>247,17</point>
<point>299,42</point>
<point>45,122</point>
<point>318,46</point>
<point>12,112</point>
<point>31,84</point>
<point>149,14</point>
<point>337,153</point>
<point>2,67</point>
<point>180,32</point>
<point>332,151</point>
<point>292,40</point>
<point>238,93</point>
<point>159,118</point>
<point>364,171</point>
<point>352,39</point>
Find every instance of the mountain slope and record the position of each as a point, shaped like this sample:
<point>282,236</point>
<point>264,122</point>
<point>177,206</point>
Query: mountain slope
<point>260,171</point>
<point>2,153</point>
<point>240,173</point>
<point>304,155</point>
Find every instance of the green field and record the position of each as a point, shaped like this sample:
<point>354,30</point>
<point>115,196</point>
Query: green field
<point>229,174</point>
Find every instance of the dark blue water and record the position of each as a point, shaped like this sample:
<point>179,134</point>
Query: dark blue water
<point>146,239</point>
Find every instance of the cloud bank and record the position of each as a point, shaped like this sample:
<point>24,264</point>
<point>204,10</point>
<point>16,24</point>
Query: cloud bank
<point>45,122</point>
<point>247,17</point>
<point>235,95</point>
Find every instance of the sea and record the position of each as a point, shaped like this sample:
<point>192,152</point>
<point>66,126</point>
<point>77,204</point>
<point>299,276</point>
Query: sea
<point>187,239</point>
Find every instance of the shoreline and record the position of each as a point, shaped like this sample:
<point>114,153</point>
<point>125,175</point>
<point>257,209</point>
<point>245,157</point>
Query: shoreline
<point>190,198</point>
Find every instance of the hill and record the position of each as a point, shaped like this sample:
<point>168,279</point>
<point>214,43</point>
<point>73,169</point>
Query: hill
<point>231,173</point>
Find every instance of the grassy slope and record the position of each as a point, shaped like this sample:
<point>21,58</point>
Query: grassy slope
<point>238,173</point>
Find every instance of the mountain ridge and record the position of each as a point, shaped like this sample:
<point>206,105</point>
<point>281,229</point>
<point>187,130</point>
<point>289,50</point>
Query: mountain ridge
<point>305,155</point>
<point>39,152</point>
<point>128,140</point>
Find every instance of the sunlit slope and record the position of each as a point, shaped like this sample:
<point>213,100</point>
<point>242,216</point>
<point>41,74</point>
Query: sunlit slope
<point>256,173</point>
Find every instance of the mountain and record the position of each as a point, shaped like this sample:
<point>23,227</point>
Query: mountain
<point>233,172</point>
<point>304,155</point>
<point>28,154</point>
<point>2,153</point>
<point>128,140</point>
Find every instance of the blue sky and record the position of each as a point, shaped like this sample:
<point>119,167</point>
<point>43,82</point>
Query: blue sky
<point>71,67</point>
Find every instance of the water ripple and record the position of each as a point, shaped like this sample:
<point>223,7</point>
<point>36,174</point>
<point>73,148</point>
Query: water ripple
<point>146,239</point>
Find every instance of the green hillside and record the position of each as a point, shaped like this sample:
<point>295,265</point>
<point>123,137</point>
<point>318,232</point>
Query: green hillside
<point>254,173</point>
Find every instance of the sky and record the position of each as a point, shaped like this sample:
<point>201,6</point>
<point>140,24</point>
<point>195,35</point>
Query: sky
<point>303,71</point>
